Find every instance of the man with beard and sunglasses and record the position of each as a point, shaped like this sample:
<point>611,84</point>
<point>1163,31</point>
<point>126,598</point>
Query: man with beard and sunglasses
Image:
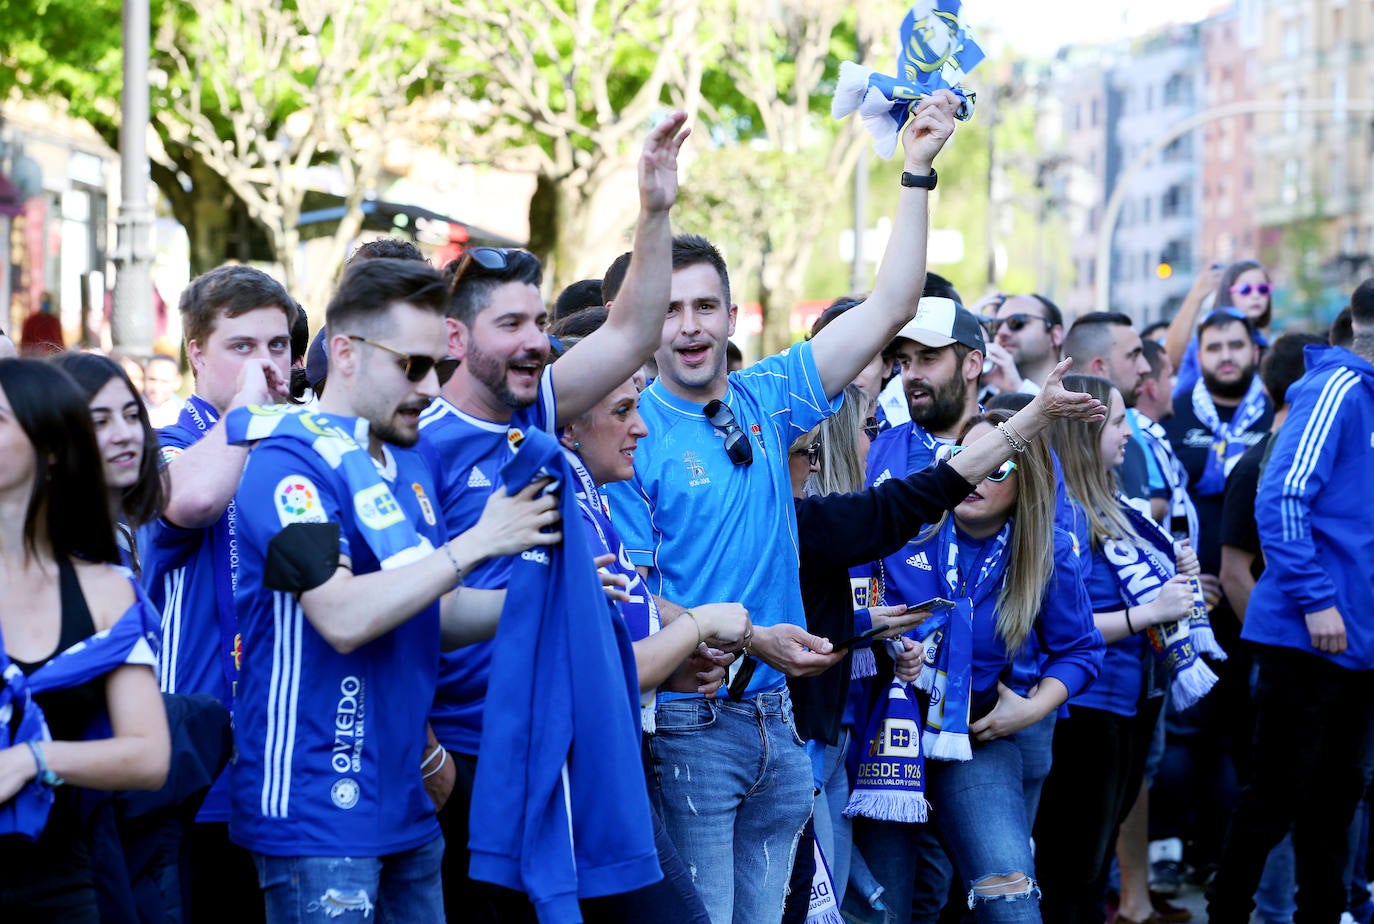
<point>349,585</point>
<point>504,386</point>
<point>1027,332</point>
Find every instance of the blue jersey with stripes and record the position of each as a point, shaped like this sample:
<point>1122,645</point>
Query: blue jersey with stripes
<point>710,530</point>
<point>329,744</point>
<point>473,452</point>
<point>179,575</point>
<point>1312,509</point>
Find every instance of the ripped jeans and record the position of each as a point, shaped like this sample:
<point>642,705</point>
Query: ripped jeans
<point>978,817</point>
<point>400,888</point>
<point>734,785</point>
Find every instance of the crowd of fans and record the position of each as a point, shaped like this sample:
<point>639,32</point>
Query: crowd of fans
<point>465,610</point>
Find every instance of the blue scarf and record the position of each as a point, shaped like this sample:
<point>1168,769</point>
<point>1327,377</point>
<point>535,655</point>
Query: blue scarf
<point>823,908</point>
<point>936,51</point>
<point>891,780</point>
<point>947,716</point>
<point>1141,570</point>
<point>198,416</point>
<point>1200,625</point>
<point>1227,445</point>
<point>382,522</point>
<point>133,639</point>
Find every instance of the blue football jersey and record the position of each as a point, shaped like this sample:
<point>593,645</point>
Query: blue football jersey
<point>472,452</point>
<point>329,744</point>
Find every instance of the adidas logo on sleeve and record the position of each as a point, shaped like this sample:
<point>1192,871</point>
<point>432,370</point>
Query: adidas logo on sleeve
<point>919,560</point>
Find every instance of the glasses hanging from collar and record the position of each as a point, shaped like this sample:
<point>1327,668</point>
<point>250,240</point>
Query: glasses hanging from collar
<point>719,415</point>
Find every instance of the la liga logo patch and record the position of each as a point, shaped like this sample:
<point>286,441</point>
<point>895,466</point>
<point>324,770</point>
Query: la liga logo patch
<point>298,501</point>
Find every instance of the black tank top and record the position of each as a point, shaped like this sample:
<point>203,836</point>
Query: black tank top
<point>70,712</point>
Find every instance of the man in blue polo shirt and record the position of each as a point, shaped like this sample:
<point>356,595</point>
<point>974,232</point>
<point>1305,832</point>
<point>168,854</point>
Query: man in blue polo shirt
<point>496,322</point>
<point>238,338</point>
<point>709,515</point>
<point>344,556</point>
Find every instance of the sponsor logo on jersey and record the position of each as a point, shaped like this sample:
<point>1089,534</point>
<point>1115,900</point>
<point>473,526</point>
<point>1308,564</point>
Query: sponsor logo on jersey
<point>919,560</point>
<point>298,501</point>
<point>377,508</point>
<point>477,480</point>
<point>344,792</point>
<point>426,507</point>
<point>535,555</point>
<point>347,753</point>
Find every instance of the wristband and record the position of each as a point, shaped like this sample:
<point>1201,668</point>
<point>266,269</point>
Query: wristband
<point>437,749</point>
<point>45,776</point>
<point>1129,628</point>
<point>454,562</point>
<point>693,616</point>
<point>442,760</point>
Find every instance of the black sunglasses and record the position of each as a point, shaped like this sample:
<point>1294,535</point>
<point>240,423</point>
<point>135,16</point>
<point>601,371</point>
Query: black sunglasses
<point>416,365</point>
<point>1015,322</point>
<point>719,415</point>
<point>493,259</point>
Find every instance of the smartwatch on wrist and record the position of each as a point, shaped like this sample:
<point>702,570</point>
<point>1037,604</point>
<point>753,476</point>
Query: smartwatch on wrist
<point>920,181</point>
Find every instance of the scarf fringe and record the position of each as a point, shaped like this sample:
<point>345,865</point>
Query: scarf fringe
<point>850,89</point>
<point>1191,684</point>
<point>909,807</point>
<point>1205,641</point>
<point>876,111</point>
<point>863,665</point>
<point>829,916</point>
<point>945,745</point>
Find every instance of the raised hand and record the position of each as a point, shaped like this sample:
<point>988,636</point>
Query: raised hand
<point>928,130</point>
<point>1056,401</point>
<point>658,163</point>
<point>260,382</point>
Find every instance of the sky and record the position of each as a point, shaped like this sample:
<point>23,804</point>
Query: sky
<point>1041,28</point>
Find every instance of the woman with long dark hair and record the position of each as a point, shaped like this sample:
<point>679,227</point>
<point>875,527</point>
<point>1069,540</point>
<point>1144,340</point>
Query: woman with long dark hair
<point>127,442</point>
<point>57,545</point>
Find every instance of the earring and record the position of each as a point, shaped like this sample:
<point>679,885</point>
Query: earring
<point>576,445</point>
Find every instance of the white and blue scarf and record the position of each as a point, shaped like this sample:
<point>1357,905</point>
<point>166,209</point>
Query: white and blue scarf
<point>890,784</point>
<point>383,524</point>
<point>133,639</point>
<point>1227,443</point>
<point>948,672</point>
<point>935,51</point>
<point>1141,570</point>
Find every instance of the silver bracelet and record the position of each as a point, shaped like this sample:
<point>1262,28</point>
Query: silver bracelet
<point>1016,447</point>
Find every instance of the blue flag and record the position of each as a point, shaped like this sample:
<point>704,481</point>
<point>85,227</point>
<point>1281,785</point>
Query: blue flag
<point>935,53</point>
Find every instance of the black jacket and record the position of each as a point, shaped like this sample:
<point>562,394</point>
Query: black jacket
<point>840,531</point>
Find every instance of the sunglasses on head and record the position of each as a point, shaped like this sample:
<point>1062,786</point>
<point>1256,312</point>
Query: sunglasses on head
<point>415,366</point>
<point>1246,289</point>
<point>1015,322</point>
<point>492,259</point>
<point>1003,471</point>
<point>719,415</point>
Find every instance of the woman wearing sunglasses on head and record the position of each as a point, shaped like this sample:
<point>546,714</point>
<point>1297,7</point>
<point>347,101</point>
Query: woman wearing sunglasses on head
<point>1244,287</point>
<point>1134,581</point>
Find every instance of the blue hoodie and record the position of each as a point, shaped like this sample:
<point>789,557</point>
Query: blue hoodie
<point>1313,508</point>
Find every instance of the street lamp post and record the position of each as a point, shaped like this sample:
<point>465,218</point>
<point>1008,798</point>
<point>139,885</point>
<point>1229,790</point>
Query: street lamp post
<point>131,324</point>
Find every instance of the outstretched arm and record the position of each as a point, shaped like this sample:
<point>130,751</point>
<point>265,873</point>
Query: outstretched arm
<point>634,327</point>
<point>855,337</point>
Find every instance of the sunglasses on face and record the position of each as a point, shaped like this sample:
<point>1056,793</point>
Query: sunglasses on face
<point>1015,322</point>
<point>415,366</point>
<point>1003,471</point>
<point>492,259</point>
<point>719,415</point>
<point>1262,289</point>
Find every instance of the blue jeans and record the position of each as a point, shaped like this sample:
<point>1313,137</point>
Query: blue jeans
<point>734,785</point>
<point>404,888</point>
